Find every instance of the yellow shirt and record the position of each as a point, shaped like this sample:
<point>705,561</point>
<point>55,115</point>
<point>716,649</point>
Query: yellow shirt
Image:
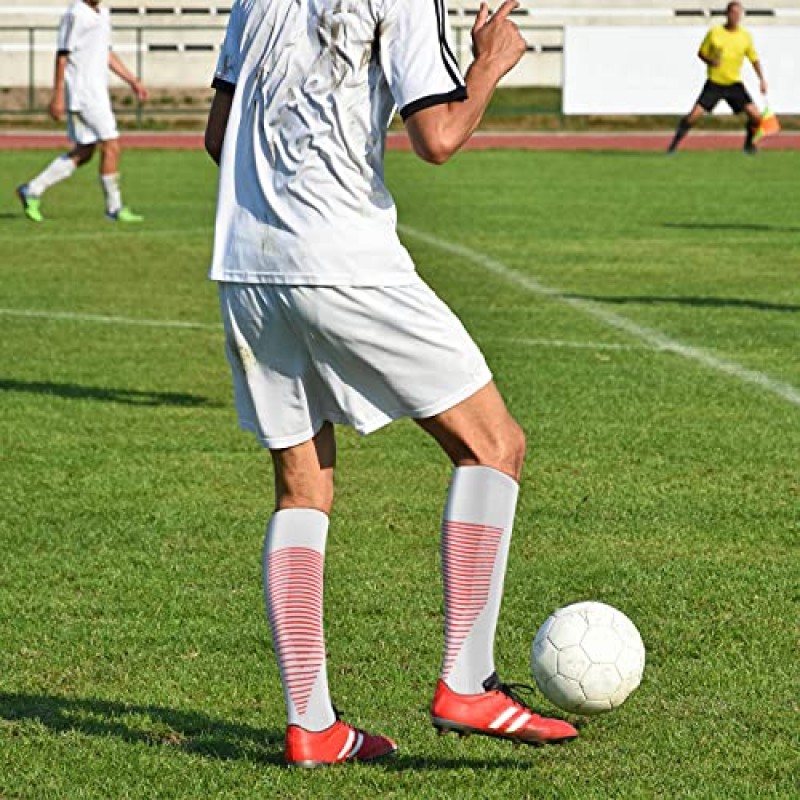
<point>731,48</point>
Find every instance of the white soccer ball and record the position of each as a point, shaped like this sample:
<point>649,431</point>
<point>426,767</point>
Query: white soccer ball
<point>587,658</point>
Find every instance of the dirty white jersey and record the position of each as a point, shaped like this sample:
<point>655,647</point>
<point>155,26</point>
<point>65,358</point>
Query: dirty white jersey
<point>85,36</point>
<point>302,197</point>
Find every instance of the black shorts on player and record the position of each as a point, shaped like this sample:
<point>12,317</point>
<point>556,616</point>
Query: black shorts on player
<point>734,94</point>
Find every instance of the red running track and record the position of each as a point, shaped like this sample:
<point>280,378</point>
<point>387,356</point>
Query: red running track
<point>656,141</point>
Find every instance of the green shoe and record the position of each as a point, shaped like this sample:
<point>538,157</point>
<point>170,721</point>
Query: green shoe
<point>32,206</point>
<point>124,215</point>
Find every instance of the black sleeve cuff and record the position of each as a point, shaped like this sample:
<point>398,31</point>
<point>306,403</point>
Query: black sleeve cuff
<point>223,86</point>
<point>458,95</point>
<point>63,52</point>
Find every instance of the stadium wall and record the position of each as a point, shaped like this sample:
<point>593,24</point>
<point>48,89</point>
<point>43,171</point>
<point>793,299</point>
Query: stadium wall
<point>655,70</point>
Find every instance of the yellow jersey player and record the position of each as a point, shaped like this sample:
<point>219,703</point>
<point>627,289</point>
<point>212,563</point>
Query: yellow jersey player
<point>723,51</point>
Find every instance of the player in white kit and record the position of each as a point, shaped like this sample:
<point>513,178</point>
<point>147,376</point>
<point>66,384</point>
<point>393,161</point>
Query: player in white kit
<point>327,323</point>
<point>80,89</point>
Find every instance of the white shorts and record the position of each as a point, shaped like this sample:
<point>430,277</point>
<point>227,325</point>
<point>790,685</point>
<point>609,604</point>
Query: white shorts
<point>359,356</point>
<point>92,125</point>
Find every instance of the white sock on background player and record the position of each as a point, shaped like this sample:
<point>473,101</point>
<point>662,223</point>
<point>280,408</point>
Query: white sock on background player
<point>476,534</point>
<point>111,190</point>
<point>294,555</point>
<point>57,171</point>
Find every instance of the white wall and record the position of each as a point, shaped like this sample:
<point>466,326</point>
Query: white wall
<point>655,70</point>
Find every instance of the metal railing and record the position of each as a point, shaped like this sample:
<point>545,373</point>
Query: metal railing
<point>31,44</point>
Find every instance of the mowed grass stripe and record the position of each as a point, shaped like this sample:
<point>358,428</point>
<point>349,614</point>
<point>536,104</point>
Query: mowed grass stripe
<point>651,336</point>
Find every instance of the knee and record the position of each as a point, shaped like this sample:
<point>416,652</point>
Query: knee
<point>318,497</point>
<point>83,155</point>
<point>111,148</point>
<point>506,452</point>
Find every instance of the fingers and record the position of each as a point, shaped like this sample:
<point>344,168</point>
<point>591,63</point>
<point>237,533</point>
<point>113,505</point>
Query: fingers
<point>505,9</point>
<point>483,16</point>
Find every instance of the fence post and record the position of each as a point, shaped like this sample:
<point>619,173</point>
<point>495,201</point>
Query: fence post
<point>31,69</point>
<point>139,68</point>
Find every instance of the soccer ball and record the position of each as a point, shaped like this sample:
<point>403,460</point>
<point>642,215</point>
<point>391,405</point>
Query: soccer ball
<point>587,658</point>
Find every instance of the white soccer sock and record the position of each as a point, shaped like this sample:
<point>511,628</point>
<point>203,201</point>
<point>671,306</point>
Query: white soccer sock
<point>111,190</point>
<point>57,171</point>
<point>294,554</point>
<point>476,534</point>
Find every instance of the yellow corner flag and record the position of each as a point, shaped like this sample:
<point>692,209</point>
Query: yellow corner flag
<point>769,126</point>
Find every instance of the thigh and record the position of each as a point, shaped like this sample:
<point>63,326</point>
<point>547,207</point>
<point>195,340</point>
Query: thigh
<point>389,352</point>
<point>101,121</point>
<point>304,473</point>
<point>278,395</point>
<point>479,431</point>
<point>79,130</point>
<point>709,97</point>
<point>738,98</point>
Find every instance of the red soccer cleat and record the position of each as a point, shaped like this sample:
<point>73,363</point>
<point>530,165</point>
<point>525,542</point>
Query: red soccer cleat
<point>496,712</point>
<point>335,745</point>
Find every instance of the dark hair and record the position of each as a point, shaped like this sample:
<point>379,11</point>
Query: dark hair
<point>732,5</point>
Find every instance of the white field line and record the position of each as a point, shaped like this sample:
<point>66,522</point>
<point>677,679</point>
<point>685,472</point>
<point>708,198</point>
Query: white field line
<point>649,336</point>
<point>566,344</point>
<point>69,316</point>
<point>38,235</point>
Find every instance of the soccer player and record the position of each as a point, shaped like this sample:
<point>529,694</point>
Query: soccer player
<point>80,88</point>
<point>327,322</point>
<point>723,51</point>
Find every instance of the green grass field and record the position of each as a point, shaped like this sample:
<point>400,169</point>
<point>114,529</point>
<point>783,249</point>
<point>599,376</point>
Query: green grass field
<point>656,374</point>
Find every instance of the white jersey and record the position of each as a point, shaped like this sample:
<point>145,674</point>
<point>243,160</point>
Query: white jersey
<point>85,35</point>
<point>302,198</point>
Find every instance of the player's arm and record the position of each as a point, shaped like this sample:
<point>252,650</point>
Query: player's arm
<point>752,57</point>
<point>708,60</point>
<point>437,133</point>
<point>56,107</point>
<point>121,71</point>
<point>759,70</point>
<point>218,123</point>
<point>226,76</point>
<point>707,53</point>
<point>66,41</point>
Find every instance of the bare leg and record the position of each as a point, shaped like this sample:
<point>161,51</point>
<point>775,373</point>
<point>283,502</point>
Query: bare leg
<point>304,474</point>
<point>685,125</point>
<point>109,157</point>
<point>480,432</point>
<point>753,121</point>
<point>82,154</point>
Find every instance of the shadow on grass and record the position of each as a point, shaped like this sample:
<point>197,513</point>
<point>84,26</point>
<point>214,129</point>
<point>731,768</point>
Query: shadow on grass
<point>186,731</point>
<point>196,733</point>
<point>130,397</point>
<point>701,302</point>
<point>755,227</point>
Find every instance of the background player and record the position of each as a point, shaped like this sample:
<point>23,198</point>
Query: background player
<point>80,87</point>
<point>723,51</point>
<point>327,322</point>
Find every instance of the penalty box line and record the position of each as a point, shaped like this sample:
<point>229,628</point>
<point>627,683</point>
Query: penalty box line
<point>652,337</point>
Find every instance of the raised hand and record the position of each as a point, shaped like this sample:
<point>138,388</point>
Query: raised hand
<point>496,41</point>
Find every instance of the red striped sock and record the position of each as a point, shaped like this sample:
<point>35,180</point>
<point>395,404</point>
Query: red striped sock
<point>294,554</point>
<point>476,533</point>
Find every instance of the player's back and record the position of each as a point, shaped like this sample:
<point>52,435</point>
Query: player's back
<point>312,96</point>
<point>302,194</point>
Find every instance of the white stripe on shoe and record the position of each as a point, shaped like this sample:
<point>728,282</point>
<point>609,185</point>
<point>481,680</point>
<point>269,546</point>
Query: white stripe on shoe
<point>359,742</point>
<point>503,718</point>
<point>351,735</point>
<point>519,722</point>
